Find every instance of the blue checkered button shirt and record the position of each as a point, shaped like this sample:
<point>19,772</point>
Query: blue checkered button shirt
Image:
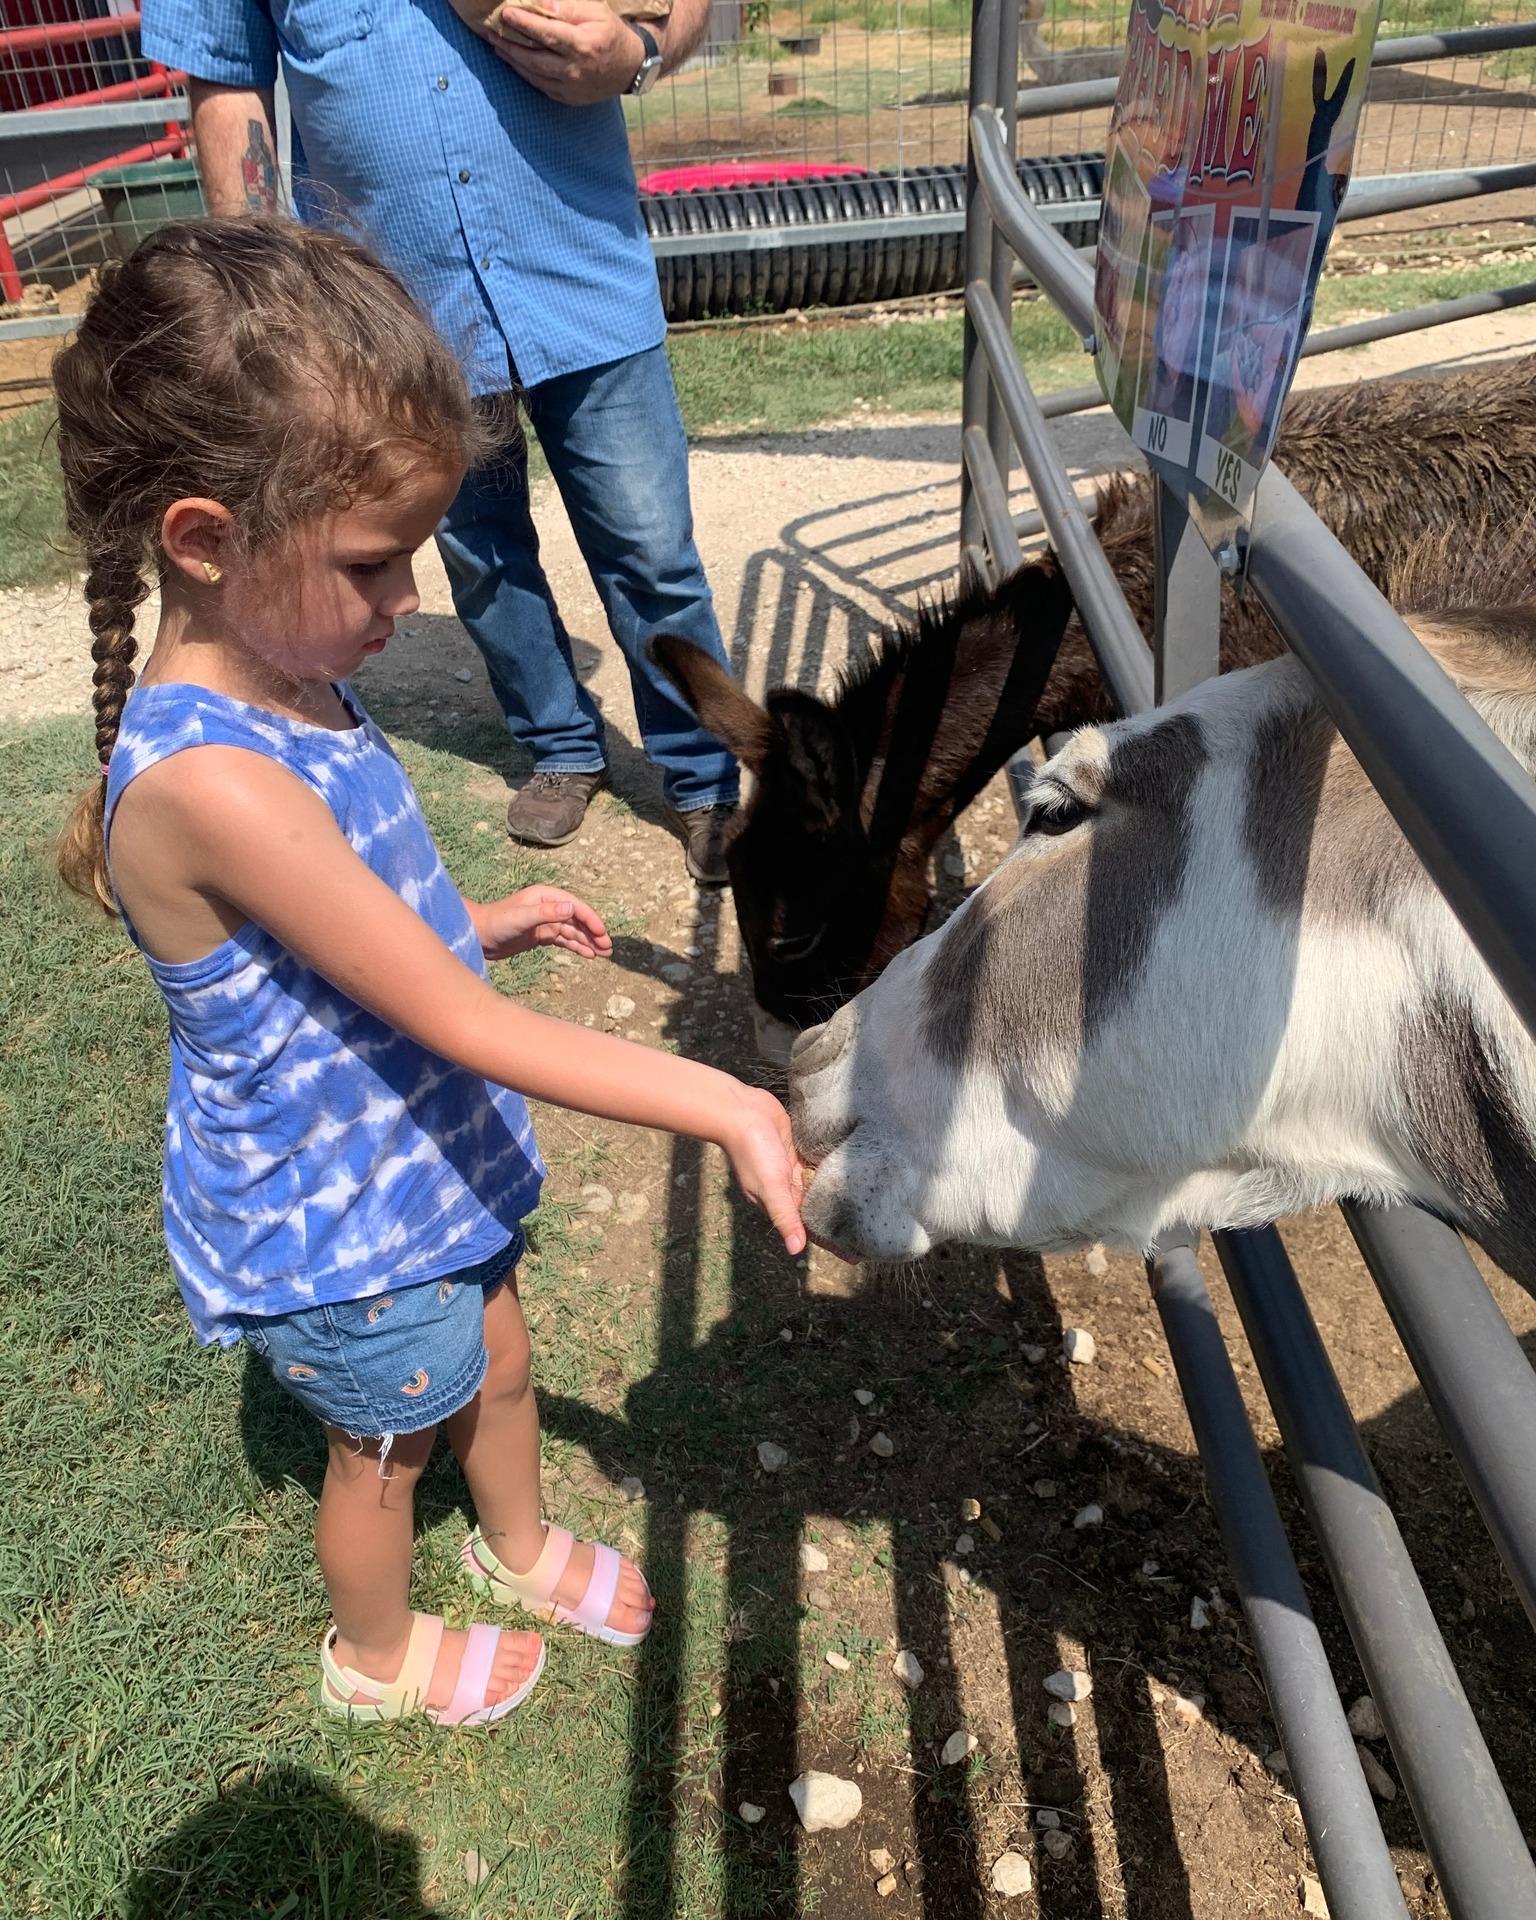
<point>512,219</point>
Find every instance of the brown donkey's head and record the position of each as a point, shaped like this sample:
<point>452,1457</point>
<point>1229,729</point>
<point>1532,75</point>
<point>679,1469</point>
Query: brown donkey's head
<point>829,857</point>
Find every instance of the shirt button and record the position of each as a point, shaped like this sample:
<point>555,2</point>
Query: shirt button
<point>463,176</point>
<point>442,83</point>
<point>485,264</point>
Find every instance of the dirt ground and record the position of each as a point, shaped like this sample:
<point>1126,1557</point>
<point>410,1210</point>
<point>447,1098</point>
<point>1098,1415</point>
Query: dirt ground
<point>1161,1788</point>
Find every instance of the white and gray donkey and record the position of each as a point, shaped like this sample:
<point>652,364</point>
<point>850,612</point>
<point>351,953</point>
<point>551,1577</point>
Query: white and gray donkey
<point>1211,985</point>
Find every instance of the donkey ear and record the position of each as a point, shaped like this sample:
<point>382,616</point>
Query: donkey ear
<point>818,755</point>
<point>722,704</point>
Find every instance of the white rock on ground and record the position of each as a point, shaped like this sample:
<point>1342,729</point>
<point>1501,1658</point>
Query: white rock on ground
<point>812,1559</point>
<point>1058,1844</point>
<point>1011,1875</point>
<point>632,1487</point>
<point>1096,1262</point>
<point>1046,1818</point>
<point>886,1885</point>
<point>631,1208</point>
<point>825,1802</point>
<point>596,1198</point>
<point>839,1663</point>
<point>771,1456</point>
<point>678,974</point>
<point>965,1543</point>
<point>1312,1900</point>
<point>1199,1615</point>
<point>1068,1684</point>
<point>1079,1345</point>
<point>881,1859</point>
<point>956,1747</point>
<point>908,1669</point>
<point>1090,1516</point>
<point>1061,1713</point>
<point>970,1509</point>
<point>476,1868</point>
<point>882,1446</point>
<point>751,1813</point>
<point>619,1006</point>
<point>864,1397</point>
<point>1364,1720</point>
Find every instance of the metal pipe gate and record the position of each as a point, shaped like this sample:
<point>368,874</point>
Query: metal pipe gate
<point>1469,810</point>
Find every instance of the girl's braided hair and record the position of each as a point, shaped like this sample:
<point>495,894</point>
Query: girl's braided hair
<point>274,368</point>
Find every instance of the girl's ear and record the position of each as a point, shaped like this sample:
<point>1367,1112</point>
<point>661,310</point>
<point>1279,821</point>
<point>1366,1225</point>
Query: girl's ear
<point>195,538</point>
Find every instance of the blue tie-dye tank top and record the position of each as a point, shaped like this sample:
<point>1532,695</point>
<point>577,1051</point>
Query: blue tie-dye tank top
<point>312,1152</point>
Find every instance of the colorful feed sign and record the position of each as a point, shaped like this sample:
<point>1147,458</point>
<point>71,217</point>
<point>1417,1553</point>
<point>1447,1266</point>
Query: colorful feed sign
<point>1229,153</point>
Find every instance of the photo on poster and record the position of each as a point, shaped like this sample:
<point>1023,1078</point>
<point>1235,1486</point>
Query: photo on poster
<point>1122,230</point>
<point>1264,305</point>
<point>1179,272</point>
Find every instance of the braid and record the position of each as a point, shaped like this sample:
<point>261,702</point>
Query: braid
<point>114,589</point>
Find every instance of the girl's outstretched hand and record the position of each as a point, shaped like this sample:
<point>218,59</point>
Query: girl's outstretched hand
<point>762,1154</point>
<point>540,917</point>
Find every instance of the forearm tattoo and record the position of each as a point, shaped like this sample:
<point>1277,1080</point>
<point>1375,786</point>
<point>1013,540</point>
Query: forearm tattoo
<point>258,170</point>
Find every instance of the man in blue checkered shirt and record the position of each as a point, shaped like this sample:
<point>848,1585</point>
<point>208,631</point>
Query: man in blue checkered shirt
<point>492,172</point>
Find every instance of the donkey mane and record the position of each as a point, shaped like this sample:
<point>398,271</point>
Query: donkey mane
<point>924,670</point>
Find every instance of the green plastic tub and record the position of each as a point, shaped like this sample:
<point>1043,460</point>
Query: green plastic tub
<point>137,200</point>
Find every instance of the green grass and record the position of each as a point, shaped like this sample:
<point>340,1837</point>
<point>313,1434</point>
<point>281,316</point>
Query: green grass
<point>33,547</point>
<point>163,1757</point>
<point>779,378</point>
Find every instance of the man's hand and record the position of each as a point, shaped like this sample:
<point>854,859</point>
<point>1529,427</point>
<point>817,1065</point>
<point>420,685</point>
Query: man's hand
<point>576,51</point>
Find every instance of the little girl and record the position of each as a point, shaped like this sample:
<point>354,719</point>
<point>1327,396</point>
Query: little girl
<point>255,418</point>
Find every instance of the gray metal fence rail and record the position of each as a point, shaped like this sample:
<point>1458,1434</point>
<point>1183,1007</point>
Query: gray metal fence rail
<point>1469,810</point>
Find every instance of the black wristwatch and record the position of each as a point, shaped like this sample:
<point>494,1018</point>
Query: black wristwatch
<point>650,66</point>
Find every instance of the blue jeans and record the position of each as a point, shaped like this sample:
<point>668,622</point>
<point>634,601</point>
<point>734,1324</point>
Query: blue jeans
<point>614,440</point>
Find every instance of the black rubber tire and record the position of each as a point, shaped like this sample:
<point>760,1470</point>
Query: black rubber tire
<point>707,282</point>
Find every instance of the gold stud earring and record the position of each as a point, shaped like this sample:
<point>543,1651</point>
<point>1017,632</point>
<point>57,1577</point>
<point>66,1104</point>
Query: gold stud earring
<point>215,574</point>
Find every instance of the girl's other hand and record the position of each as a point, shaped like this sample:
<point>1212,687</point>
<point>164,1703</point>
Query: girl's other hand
<point>540,917</point>
<point>762,1153</point>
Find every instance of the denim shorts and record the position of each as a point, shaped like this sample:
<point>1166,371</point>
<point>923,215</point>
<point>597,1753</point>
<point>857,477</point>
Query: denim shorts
<point>392,1363</point>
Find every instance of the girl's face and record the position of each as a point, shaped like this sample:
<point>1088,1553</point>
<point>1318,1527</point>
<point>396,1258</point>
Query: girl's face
<point>320,602</point>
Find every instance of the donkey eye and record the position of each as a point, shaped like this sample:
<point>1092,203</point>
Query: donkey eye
<point>1055,811</point>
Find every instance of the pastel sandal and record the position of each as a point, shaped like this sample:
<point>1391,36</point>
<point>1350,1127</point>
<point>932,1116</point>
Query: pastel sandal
<point>534,1591</point>
<point>353,1696</point>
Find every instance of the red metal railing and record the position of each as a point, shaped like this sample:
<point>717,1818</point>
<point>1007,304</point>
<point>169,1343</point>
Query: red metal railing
<point>67,33</point>
<point>46,38</point>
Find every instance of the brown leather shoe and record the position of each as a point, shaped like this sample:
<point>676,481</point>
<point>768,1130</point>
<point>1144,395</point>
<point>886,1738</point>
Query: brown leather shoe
<point>703,834</point>
<point>548,809</point>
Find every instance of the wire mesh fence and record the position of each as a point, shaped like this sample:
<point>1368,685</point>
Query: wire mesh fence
<point>94,141</point>
<point>881,84</point>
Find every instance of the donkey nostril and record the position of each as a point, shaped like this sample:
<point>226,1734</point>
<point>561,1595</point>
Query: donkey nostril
<point>818,1047</point>
<point>804,1045</point>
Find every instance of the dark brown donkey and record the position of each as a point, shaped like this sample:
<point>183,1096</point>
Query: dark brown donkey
<point>830,857</point>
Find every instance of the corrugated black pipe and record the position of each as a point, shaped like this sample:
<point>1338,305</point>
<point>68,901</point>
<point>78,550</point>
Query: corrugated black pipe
<point>705,282</point>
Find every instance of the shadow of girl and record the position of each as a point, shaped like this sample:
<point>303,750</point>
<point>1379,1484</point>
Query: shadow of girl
<point>278,1845</point>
